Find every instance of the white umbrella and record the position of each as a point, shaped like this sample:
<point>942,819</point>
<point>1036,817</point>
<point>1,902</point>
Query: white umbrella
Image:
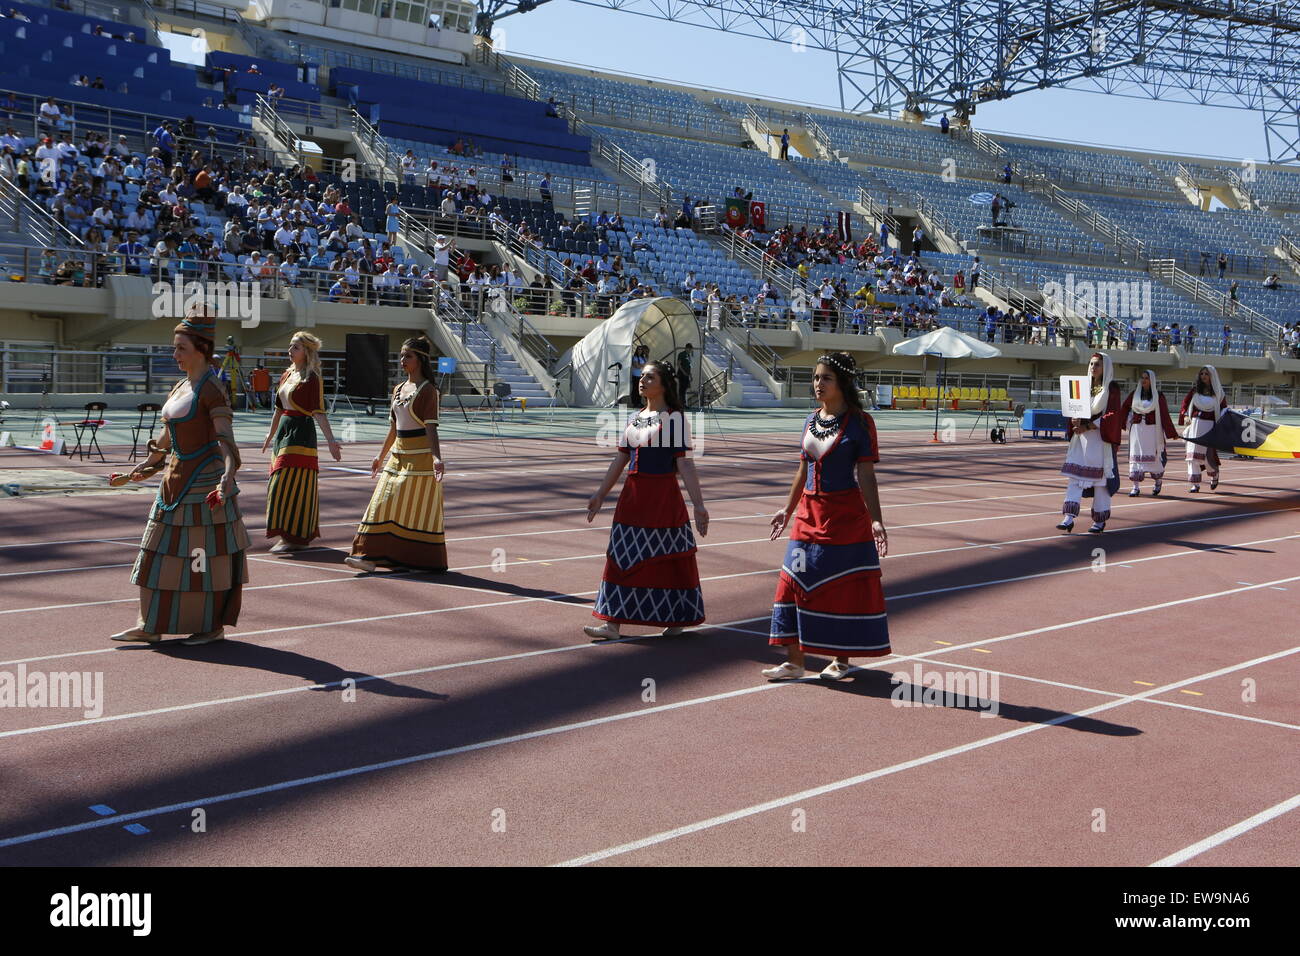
<point>946,343</point>
<point>949,343</point>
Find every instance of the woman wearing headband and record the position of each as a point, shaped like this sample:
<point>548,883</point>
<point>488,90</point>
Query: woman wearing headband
<point>1146,415</point>
<point>1092,462</point>
<point>292,500</point>
<point>1200,410</point>
<point>651,577</point>
<point>829,599</point>
<point>402,527</point>
<point>191,568</point>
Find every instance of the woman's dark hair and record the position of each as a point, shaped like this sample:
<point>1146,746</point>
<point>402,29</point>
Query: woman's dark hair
<point>668,378</point>
<point>845,371</point>
<point>422,348</point>
<point>1203,388</point>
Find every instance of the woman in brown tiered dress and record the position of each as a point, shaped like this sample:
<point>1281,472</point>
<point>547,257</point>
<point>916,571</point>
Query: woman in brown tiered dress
<point>191,568</point>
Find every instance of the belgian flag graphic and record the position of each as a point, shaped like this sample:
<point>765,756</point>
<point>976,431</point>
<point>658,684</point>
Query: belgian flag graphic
<point>1236,434</point>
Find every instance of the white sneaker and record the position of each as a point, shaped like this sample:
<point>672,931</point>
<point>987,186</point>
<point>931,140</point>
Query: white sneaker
<point>786,671</point>
<point>361,564</point>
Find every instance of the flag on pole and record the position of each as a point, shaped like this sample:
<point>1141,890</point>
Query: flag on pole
<point>1238,435</point>
<point>844,227</point>
<point>736,213</point>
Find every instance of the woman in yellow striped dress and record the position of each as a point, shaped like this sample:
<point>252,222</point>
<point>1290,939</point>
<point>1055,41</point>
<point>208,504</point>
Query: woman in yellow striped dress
<point>402,527</point>
<point>292,499</point>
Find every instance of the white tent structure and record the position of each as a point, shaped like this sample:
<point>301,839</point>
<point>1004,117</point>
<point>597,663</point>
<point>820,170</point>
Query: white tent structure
<point>946,343</point>
<point>602,359</point>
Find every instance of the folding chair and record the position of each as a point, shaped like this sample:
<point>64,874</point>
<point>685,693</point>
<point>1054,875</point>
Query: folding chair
<point>1004,419</point>
<point>93,421</point>
<point>140,428</point>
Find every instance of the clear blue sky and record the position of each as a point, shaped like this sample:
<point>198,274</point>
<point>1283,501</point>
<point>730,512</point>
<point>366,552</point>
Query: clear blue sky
<point>581,35</point>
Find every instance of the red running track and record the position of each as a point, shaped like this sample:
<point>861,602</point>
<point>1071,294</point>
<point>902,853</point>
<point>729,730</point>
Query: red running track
<point>1143,682</point>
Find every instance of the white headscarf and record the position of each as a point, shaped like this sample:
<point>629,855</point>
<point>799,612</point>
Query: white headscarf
<point>1102,398</point>
<point>1215,385</point>
<point>1142,406</point>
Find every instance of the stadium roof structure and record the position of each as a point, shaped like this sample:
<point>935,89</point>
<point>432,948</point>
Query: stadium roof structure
<point>927,55</point>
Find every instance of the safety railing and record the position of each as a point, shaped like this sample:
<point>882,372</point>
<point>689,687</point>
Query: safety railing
<point>877,210</point>
<point>26,216</point>
<point>820,136</point>
<point>379,152</point>
<point>1219,302</point>
<point>761,263</point>
<point>51,264</point>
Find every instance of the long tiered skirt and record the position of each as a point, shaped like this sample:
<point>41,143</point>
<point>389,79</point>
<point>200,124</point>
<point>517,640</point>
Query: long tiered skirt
<point>191,568</point>
<point>1146,456</point>
<point>292,496</point>
<point>651,576</point>
<point>1199,457</point>
<point>829,599</point>
<point>403,523</point>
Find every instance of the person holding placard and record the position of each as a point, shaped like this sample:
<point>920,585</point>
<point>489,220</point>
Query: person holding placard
<point>1146,416</point>
<point>1201,409</point>
<point>1091,461</point>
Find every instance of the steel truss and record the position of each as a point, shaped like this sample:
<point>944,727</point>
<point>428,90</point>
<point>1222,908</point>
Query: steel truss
<point>930,55</point>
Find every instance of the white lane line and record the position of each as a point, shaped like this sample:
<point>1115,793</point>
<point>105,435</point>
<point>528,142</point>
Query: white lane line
<point>1231,833</point>
<point>92,567</point>
<point>609,719</point>
<point>912,764</point>
<point>897,597</point>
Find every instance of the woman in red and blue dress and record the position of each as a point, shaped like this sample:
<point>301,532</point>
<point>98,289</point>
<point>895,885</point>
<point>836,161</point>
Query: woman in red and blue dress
<point>651,577</point>
<point>829,599</point>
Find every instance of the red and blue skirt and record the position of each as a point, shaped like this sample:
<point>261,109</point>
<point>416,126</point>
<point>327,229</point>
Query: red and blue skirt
<point>651,576</point>
<point>829,599</point>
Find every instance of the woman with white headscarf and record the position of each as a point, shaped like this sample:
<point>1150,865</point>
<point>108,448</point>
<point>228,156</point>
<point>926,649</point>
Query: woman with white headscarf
<point>1091,462</point>
<point>1146,416</point>
<point>1201,409</point>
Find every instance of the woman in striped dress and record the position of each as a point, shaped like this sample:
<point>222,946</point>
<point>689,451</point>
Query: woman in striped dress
<point>191,568</point>
<point>651,577</point>
<point>402,527</point>
<point>829,599</point>
<point>292,500</point>
<point>1201,409</point>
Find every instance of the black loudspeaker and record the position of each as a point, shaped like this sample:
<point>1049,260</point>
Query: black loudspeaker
<point>366,373</point>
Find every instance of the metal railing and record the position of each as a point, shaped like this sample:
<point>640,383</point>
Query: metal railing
<point>820,136</point>
<point>761,263</point>
<point>1167,272</point>
<point>877,210</point>
<point>380,154</point>
<point>26,216</point>
<point>51,264</point>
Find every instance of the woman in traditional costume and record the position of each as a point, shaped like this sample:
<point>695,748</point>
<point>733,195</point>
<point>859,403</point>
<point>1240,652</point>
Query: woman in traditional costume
<point>292,494</point>
<point>1146,415</point>
<point>1092,462</point>
<point>191,568</point>
<point>1200,410</point>
<point>402,527</point>
<point>829,598</point>
<point>651,577</point>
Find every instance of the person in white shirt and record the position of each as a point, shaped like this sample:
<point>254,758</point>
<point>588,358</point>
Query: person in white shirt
<point>284,235</point>
<point>448,206</point>
<point>13,141</point>
<point>387,284</point>
<point>699,299</point>
<point>50,114</point>
<point>103,216</point>
<point>409,166</point>
<point>442,248</point>
<point>120,149</point>
<point>689,282</point>
<point>431,174</point>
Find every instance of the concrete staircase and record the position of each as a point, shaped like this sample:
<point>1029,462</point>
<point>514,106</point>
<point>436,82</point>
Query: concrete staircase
<point>755,395</point>
<point>522,385</point>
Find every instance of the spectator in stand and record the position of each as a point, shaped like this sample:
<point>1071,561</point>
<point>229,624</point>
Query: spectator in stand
<point>341,291</point>
<point>785,144</point>
<point>49,116</point>
<point>1271,282</point>
<point>410,165</point>
<point>1232,298</point>
<point>544,189</point>
<point>1191,337</point>
<point>1223,264</point>
<point>1006,174</point>
<point>943,124</point>
<point>442,251</point>
<point>1227,338</point>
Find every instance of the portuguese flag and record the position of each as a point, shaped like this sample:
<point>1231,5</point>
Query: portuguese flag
<point>1236,434</point>
<point>737,214</point>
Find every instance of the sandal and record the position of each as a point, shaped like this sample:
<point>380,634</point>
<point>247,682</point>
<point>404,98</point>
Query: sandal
<point>136,634</point>
<point>786,671</point>
<point>205,638</point>
<point>602,633</point>
<point>836,671</point>
<point>361,564</point>
<point>672,631</point>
